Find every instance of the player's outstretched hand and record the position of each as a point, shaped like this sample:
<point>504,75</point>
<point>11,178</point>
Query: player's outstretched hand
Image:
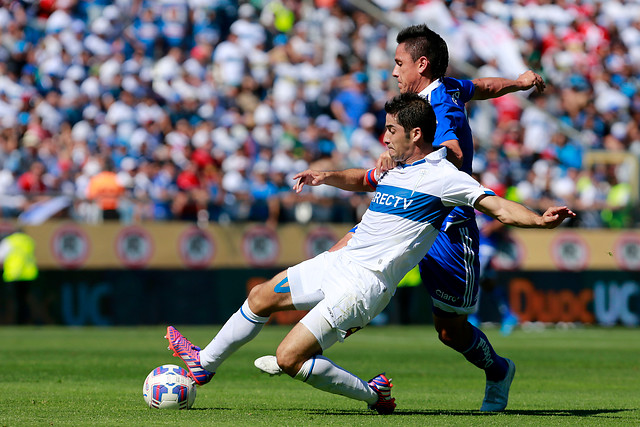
<point>308,177</point>
<point>554,216</point>
<point>529,79</point>
<point>384,163</point>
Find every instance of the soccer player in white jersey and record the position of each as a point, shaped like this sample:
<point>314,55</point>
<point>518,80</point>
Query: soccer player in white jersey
<point>450,269</point>
<point>347,288</point>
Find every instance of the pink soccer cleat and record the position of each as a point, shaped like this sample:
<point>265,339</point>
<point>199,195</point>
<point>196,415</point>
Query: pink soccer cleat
<point>385,404</point>
<point>190,355</point>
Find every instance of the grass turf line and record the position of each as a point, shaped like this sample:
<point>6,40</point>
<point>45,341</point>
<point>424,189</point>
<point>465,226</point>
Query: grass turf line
<point>93,376</point>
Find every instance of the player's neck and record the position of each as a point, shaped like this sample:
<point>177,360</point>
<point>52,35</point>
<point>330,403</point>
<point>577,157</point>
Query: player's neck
<point>424,83</point>
<point>419,154</point>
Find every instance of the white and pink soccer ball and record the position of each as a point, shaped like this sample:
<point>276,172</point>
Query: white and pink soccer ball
<point>169,387</point>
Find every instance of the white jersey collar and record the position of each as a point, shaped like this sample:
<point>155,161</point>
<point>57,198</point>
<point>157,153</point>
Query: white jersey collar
<point>433,157</point>
<point>438,154</point>
<point>426,92</point>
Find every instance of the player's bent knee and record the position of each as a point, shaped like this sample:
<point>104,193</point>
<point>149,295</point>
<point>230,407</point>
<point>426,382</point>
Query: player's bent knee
<point>288,361</point>
<point>256,301</point>
<point>261,300</point>
<point>265,300</point>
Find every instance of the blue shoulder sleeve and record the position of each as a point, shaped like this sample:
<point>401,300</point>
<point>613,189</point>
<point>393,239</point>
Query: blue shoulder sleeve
<point>465,88</point>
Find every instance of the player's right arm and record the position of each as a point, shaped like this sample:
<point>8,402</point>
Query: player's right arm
<point>512,213</point>
<point>349,179</point>
<point>494,87</point>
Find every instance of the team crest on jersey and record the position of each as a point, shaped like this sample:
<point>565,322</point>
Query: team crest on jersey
<point>455,97</point>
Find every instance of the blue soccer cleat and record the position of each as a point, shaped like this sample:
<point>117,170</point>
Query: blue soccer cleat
<point>382,386</point>
<point>496,393</point>
<point>190,355</point>
<point>509,322</point>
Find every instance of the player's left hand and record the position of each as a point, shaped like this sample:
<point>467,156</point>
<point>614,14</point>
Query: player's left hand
<point>384,163</point>
<point>529,79</point>
<point>554,216</point>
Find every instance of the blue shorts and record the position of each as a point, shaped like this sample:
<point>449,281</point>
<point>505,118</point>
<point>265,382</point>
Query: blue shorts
<point>450,270</point>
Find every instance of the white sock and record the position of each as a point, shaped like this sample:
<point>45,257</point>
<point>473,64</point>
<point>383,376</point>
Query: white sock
<point>242,327</point>
<point>325,375</point>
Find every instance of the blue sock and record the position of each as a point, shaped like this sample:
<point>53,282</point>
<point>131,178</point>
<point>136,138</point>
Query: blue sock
<point>482,355</point>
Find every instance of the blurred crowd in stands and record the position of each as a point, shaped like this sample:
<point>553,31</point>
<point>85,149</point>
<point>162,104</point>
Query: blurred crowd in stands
<point>203,110</point>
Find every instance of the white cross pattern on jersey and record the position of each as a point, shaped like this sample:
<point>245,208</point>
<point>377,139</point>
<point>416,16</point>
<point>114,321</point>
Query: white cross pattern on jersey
<point>406,213</point>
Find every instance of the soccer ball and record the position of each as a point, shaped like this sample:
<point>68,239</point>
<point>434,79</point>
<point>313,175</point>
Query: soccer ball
<point>169,387</point>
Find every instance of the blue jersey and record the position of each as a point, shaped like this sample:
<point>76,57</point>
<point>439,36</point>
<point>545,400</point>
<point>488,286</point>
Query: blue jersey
<point>450,268</point>
<point>448,97</point>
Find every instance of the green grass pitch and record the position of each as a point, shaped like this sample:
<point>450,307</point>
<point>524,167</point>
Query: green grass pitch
<point>93,376</point>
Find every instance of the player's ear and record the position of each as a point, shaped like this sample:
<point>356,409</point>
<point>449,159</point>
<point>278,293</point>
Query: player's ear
<point>423,64</point>
<point>416,135</point>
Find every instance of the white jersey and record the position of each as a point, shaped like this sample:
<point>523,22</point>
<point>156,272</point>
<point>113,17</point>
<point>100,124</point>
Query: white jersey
<point>406,213</point>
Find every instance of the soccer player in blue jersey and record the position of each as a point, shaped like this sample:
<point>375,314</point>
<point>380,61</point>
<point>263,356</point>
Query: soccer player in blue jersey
<point>450,269</point>
<point>347,288</point>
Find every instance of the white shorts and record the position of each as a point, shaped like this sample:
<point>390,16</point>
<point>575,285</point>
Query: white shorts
<point>353,295</point>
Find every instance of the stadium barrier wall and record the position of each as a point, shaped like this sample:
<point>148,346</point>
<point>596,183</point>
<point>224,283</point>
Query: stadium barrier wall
<point>591,297</point>
<point>117,274</point>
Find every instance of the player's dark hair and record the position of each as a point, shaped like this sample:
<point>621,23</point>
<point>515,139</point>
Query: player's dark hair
<point>419,41</point>
<point>413,111</point>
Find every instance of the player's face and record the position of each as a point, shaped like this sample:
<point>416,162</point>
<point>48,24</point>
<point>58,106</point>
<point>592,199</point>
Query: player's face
<point>400,147</point>
<point>407,71</point>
